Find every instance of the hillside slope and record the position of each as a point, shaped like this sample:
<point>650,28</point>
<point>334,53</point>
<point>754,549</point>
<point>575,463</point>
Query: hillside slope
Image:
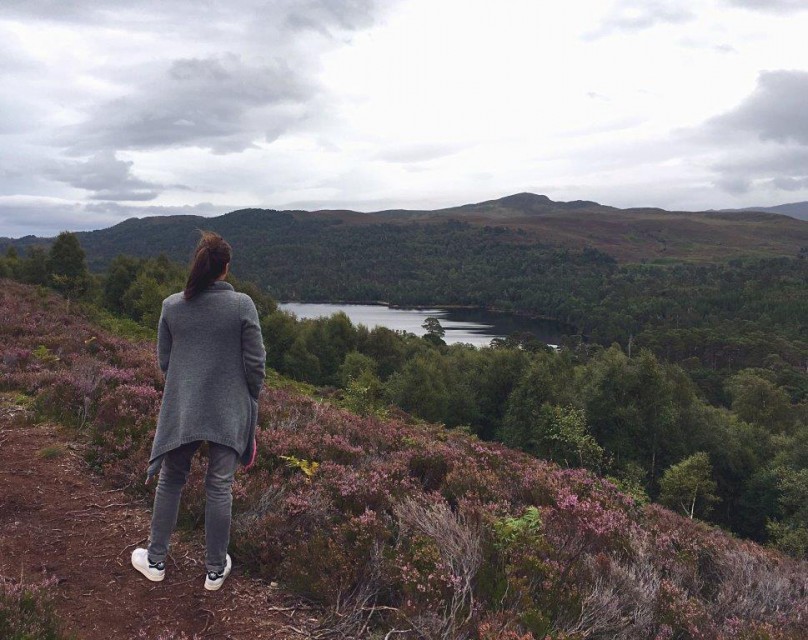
<point>396,526</point>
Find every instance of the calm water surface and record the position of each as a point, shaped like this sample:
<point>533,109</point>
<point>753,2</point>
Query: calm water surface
<point>470,326</point>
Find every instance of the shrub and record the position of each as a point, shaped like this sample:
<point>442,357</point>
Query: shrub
<point>52,451</point>
<point>26,611</point>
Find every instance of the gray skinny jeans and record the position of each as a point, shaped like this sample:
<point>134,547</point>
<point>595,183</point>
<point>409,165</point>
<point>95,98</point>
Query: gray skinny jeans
<point>222,461</point>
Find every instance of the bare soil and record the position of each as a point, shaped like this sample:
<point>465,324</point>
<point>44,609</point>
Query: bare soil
<point>57,517</point>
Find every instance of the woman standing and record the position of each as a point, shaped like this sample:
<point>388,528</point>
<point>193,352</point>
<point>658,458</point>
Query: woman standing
<point>210,348</point>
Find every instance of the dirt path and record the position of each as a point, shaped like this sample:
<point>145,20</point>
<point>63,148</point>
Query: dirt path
<point>56,516</point>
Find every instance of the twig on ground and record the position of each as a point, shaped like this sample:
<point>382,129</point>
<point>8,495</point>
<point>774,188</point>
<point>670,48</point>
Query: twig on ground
<point>129,546</point>
<point>210,622</point>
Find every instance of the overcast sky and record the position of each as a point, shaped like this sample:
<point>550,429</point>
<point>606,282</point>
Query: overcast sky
<point>114,108</point>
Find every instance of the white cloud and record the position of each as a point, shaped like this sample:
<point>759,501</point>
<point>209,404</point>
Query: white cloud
<point>773,6</point>
<point>638,15</point>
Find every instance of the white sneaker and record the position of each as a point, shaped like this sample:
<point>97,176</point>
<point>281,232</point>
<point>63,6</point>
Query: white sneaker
<point>215,579</point>
<point>153,571</point>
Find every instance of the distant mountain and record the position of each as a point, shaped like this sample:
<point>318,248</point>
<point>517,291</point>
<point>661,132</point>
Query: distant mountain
<point>797,210</point>
<point>629,235</point>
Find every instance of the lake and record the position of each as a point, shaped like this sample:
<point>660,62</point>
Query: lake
<point>471,326</point>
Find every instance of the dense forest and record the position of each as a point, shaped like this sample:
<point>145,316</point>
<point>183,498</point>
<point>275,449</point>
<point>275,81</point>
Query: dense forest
<point>688,387</point>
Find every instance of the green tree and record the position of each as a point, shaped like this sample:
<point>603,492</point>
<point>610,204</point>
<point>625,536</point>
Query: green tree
<point>280,331</point>
<point>420,387</point>
<point>10,264</point>
<point>387,348</point>
<point>434,331</point>
<point>354,366</point>
<point>561,435</point>
<point>300,363</point>
<point>364,393</point>
<point>758,400</point>
<point>67,266</point>
<point>34,269</point>
<point>546,380</point>
<point>688,485</point>
<point>790,533</point>
<point>121,274</point>
<point>567,439</point>
<point>339,337</point>
<point>144,299</point>
<point>497,373</point>
<point>637,408</point>
<point>460,364</point>
<point>788,528</point>
<point>432,326</point>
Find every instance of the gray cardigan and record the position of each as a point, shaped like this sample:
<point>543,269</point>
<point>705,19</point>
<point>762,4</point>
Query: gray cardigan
<point>212,353</point>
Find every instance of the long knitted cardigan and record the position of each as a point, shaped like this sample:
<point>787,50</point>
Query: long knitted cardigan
<point>212,353</point>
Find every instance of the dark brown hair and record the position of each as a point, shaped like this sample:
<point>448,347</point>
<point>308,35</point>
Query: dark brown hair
<point>211,255</point>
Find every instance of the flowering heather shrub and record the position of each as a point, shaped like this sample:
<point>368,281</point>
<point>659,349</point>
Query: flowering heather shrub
<point>392,524</point>
<point>15,356</point>
<point>62,397</point>
<point>26,611</point>
<point>128,410</point>
<point>499,627</point>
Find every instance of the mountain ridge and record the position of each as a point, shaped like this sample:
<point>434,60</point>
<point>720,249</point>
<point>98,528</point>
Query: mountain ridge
<point>798,210</point>
<point>629,235</point>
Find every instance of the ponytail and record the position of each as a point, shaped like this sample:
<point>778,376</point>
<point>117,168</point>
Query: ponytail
<point>211,256</point>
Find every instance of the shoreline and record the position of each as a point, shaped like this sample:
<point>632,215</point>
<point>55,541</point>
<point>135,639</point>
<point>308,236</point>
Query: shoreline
<point>470,307</point>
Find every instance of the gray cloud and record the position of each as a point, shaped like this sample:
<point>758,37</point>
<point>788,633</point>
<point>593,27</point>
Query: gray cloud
<point>105,176</point>
<point>121,212</point>
<point>14,60</point>
<point>638,15</point>
<point>790,184</point>
<point>343,14</point>
<point>764,140</point>
<point>778,159</point>
<point>725,48</point>
<point>220,75</point>
<point>768,166</point>
<point>47,219</point>
<point>775,110</point>
<point>320,15</point>
<point>771,6</point>
<point>222,103</point>
<point>735,185</point>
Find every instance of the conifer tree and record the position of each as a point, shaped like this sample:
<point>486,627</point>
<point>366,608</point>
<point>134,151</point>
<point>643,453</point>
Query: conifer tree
<point>67,267</point>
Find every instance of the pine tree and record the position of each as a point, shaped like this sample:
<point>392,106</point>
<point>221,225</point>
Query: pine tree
<point>67,267</point>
